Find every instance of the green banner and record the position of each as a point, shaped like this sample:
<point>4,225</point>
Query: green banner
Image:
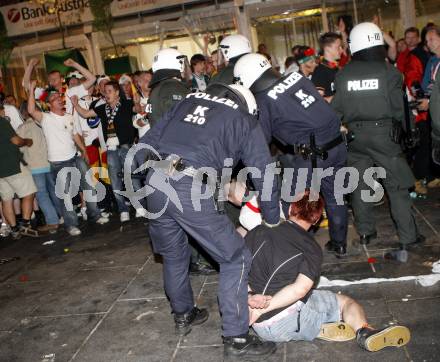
<point>55,60</point>
<point>121,65</point>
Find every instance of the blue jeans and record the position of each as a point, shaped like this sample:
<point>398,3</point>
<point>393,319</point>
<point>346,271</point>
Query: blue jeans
<point>115,161</point>
<point>70,216</point>
<point>301,324</point>
<point>48,202</point>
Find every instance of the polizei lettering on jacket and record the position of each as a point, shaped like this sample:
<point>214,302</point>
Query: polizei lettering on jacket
<point>208,97</point>
<point>364,84</point>
<point>281,87</point>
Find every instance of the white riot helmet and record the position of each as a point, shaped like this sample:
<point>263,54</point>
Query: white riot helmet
<point>364,36</point>
<point>247,96</point>
<point>168,59</point>
<point>249,68</point>
<point>234,45</point>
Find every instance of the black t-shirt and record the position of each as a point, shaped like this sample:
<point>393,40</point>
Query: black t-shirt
<point>10,154</point>
<point>324,78</point>
<point>279,255</point>
<point>122,123</point>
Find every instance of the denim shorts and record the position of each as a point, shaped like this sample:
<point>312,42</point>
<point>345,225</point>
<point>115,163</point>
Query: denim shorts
<point>301,322</point>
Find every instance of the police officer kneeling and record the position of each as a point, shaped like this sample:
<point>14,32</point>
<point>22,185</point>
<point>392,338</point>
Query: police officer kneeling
<point>202,131</point>
<point>369,100</point>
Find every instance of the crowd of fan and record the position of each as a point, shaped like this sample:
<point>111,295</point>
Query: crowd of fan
<point>81,129</point>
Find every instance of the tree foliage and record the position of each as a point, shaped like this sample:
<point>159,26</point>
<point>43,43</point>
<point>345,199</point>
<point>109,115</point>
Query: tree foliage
<point>103,19</point>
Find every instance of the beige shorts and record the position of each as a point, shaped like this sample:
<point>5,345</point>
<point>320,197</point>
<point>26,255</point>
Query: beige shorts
<point>21,184</point>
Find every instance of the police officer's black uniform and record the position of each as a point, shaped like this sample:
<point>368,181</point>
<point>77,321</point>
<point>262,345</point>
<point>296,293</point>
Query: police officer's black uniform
<point>226,75</point>
<point>166,90</point>
<point>204,130</point>
<point>368,98</point>
<point>293,112</point>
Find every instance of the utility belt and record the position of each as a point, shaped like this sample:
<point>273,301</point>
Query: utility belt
<point>171,165</point>
<point>313,151</point>
<point>370,124</point>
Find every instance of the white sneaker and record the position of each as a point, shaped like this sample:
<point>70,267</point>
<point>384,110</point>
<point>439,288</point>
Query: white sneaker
<point>102,220</point>
<point>74,231</point>
<point>125,216</point>
<point>61,222</point>
<point>141,212</point>
<point>5,230</point>
<point>105,214</point>
<point>83,213</point>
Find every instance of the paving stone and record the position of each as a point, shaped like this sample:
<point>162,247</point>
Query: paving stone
<point>17,301</point>
<point>133,331</point>
<point>422,318</point>
<point>215,354</point>
<point>37,338</point>
<point>86,292</point>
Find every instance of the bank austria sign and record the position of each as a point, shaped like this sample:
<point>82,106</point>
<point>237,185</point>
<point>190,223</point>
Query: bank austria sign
<point>28,17</point>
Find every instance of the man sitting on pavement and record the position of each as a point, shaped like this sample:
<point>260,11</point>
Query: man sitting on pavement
<point>282,311</point>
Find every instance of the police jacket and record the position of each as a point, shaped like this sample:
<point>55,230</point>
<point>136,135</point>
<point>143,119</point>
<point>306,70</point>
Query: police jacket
<point>292,109</point>
<point>225,76</point>
<point>369,91</point>
<point>163,96</point>
<point>204,130</point>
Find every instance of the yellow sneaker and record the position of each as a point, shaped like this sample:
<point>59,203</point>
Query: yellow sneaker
<point>336,332</point>
<point>434,184</point>
<point>324,223</point>
<point>420,187</point>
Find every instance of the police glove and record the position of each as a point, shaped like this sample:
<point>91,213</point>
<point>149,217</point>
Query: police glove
<point>396,133</point>
<point>436,151</point>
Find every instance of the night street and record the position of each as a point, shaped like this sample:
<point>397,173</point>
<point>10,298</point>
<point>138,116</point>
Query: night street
<point>99,297</point>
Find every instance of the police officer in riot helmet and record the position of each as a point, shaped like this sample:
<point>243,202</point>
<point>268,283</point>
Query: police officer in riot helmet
<point>167,89</point>
<point>232,48</point>
<point>292,111</point>
<point>369,100</point>
<point>208,130</point>
<point>166,84</point>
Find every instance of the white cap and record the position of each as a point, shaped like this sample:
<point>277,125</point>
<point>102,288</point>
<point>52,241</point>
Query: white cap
<point>101,78</point>
<point>124,79</point>
<point>234,45</point>
<point>364,36</point>
<point>75,74</point>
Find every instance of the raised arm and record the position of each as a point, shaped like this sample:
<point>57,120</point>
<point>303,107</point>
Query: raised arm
<point>84,113</point>
<point>28,73</point>
<point>90,78</point>
<point>31,108</point>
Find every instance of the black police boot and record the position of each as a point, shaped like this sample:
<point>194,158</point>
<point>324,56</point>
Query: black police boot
<point>365,239</point>
<point>339,249</point>
<point>185,321</point>
<point>375,339</point>
<point>201,269</point>
<point>246,347</point>
<point>401,255</point>
<point>420,239</point>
